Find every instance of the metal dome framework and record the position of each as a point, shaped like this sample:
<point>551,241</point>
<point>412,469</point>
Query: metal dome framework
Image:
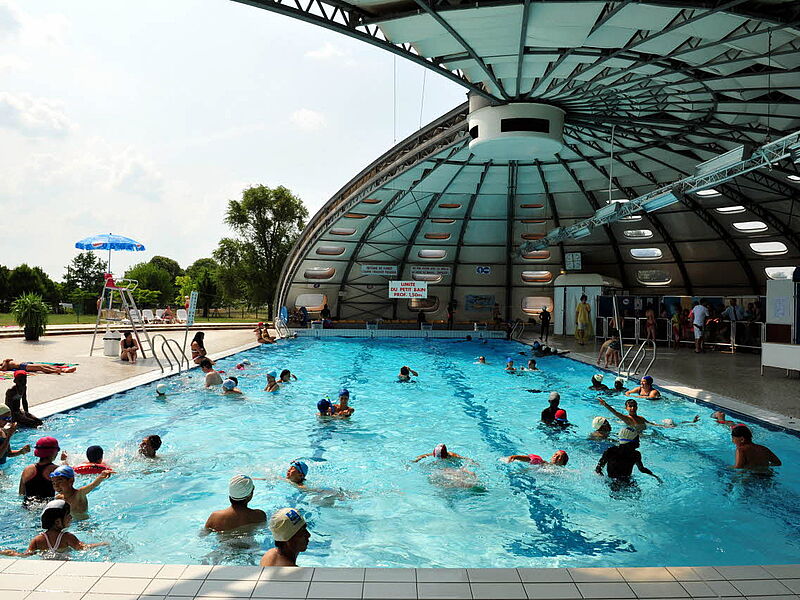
<point>677,82</point>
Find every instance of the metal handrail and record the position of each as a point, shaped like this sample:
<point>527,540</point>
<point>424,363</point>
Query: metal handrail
<point>637,359</point>
<point>166,343</point>
<point>518,325</point>
<point>153,349</point>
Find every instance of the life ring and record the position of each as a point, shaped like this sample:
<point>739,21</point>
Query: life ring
<point>91,468</point>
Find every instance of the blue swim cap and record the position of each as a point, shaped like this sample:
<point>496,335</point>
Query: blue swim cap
<point>63,471</point>
<point>272,374</point>
<point>300,466</point>
<point>324,405</point>
<point>344,392</point>
<point>228,384</point>
<point>648,379</point>
<point>508,360</point>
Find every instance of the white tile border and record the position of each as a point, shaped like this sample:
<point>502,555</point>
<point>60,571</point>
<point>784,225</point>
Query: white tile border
<point>400,333</point>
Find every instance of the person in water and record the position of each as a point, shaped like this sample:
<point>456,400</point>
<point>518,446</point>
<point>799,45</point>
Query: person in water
<point>560,419</point>
<point>198,348</point>
<point>34,483</point>
<point>600,429</point>
<point>645,389</point>
<point>297,472</point>
<point>720,418</point>
<point>549,413</point>
<point>54,542</point>
<point>597,383</point>
<point>619,460</point>
<point>510,366</point>
<point>324,408</point>
<point>286,376</point>
<point>9,364</point>
<point>63,482</point>
<point>272,382</point>
<point>94,462</point>
<point>343,409</point>
<point>748,454</point>
<point>229,386</point>
<point>481,361</point>
<point>633,419</point>
<point>441,452</point>
<point>291,536</point>
<point>212,377</point>
<point>559,458</point>
<point>7,430</point>
<point>149,446</point>
<point>238,514</point>
<point>619,385</point>
<point>17,402</point>
<point>406,373</point>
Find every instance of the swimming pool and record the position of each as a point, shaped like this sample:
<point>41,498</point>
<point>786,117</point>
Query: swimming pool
<point>390,512</point>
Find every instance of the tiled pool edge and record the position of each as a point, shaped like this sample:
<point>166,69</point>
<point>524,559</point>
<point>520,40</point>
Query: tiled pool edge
<point>735,408</point>
<point>103,392</point>
<point>73,580</point>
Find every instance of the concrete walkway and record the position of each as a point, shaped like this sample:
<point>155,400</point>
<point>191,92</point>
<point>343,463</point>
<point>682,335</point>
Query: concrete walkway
<point>97,370</point>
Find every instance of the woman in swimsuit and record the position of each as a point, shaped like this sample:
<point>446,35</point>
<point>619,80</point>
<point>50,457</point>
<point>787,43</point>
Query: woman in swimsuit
<point>35,483</point>
<point>645,389</point>
<point>128,347</point>
<point>198,347</point>
<point>8,364</point>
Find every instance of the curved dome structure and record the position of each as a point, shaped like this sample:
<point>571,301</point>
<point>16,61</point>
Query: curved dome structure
<point>647,90</point>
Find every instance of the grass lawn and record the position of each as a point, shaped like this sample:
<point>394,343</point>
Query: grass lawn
<point>7,319</point>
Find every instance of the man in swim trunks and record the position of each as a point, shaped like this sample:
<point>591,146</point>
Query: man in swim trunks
<point>559,458</point>
<point>149,446</point>
<point>748,454</point>
<point>8,364</point>
<point>17,401</point>
<point>549,413</point>
<point>212,377</point>
<point>405,374</point>
<point>645,389</point>
<point>291,537</point>
<point>35,483</point>
<point>238,514</point>
<point>343,409</point>
<point>620,460</point>
<point>63,482</point>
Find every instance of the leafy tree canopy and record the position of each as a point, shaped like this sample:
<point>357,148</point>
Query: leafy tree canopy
<point>170,266</point>
<point>153,278</point>
<point>85,272</point>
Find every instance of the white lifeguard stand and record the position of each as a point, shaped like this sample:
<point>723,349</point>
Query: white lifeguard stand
<point>127,316</point>
<point>568,289</point>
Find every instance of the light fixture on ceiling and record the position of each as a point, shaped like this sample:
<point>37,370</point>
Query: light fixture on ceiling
<point>794,178</point>
<point>665,199</point>
<point>709,193</point>
<point>618,201</point>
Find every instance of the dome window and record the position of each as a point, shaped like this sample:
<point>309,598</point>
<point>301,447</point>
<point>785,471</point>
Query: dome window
<point>779,272</point>
<point>437,236</point>
<point>646,253</point>
<point>431,254</point>
<point>638,234</point>
<point>536,255</point>
<point>319,273</point>
<point>653,277</point>
<point>769,248</point>
<point>750,226</point>
<point>730,210</point>
<point>450,205</point>
<point>343,231</point>
<point>429,277</point>
<point>330,250</point>
<point>537,276</point>
<point>532,236</point>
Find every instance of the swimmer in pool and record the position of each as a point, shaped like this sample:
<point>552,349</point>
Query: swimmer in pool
<point>600,429</point>
<point>291,537</point>
<point>633,419</point>
<point>230,386</point>
<point>510,366</point>
<point>441,452</point>
<point>559,458</point>
<point>481,361</point>
<point>54,542</point>
<point>343,409</point>
<point>619,385</point>
<point>149,446</point>
<point>531,366</point>
<point>212,377</point>
<point>748,454</point>
<point>238,514</point>
<point>719,417</point>
<point>324,408</point>
<point>620,460</point>
<point>63,482</point>
<point>286,376</point>
<point>597,383</point>
<point>297,473</point>
<point>549,413</point>
<point>243,365</point>
<point>645,389</point>
<point>560,419</point>
<point>272,384</point>
<point>405,375</point>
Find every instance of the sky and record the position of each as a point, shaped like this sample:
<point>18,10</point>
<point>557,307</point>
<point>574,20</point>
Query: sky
<point>145,118</point>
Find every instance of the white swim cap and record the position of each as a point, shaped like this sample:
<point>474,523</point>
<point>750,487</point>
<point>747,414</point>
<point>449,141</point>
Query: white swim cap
<point>598,422</point>
<point>555,396</point>
<point>240,487</point>
<point>619,380</point>
<point>285,523</point>
<point>598,377</point>
<point>669,422</point>
<point>228,384</point>
<point>161,389</point>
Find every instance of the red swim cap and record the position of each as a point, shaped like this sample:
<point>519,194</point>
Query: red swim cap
<point>46,447</point>
<point>20,373</point>
<point>561,415</point>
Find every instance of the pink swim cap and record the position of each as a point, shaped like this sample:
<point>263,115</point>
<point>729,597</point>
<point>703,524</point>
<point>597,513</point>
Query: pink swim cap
<point>561,415</point>
<point>46,447</point>
<point>535,459</point>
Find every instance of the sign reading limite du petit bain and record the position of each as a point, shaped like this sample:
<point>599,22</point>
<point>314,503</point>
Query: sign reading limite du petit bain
<point>408,289</point>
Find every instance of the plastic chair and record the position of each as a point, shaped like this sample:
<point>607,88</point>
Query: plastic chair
<point>181,315</point>
<point>148,315</point>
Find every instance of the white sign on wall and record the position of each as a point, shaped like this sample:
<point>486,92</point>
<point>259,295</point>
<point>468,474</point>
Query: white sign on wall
<point>408,289</point>
<point>373,269</point>
<point>430,270</point>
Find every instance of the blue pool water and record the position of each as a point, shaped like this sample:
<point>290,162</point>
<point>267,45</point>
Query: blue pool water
<point>390,512</point>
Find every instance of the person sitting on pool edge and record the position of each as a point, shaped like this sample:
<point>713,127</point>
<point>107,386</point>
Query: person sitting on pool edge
<point>645,389</point>
<point>620,460</point>
<point>56,518</point>
<point>63,481</point>
<point>600,429</point>
<point>272,383</point>
<point>549,413</point>
<point>597,383</point>
<point>128,347</point>
<point>229,386</point>
<point>212,377</point>
<point>149,446</point>
<point>405,375</point>
<point>17,402</point>
<point>342,409</point>
<point>748,454</point>
<point>291,536</point>
<point>559,458</point>
<point>34,482</point>
<point>238,514</point>
<point>441,452</point>
<point>6,432</point>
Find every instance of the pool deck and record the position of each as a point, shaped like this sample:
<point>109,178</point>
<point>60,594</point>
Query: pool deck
<point>72,580</point>
<point>731,381</point>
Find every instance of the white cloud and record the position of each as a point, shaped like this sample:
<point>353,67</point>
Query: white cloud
<point>33,116</point>
<point>32,30</point>
<point>327,52</point>
<point>12,62</point>
<point>9,21</point>
<point>307,119</point>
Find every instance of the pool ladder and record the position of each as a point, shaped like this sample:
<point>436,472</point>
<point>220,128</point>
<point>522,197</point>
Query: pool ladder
<point>638,359</point>
<point>282,328</point>
<point>166,344</point>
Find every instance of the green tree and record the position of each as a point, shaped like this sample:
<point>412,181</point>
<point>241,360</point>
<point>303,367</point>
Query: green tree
<point>5,290</point>
<point>267,221</point>
<point>146,298</point>
<point>151,277</point>
<point>85,272</point>
<point>25,280</point>
<point>203,274</point>
<point>170,266</point>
